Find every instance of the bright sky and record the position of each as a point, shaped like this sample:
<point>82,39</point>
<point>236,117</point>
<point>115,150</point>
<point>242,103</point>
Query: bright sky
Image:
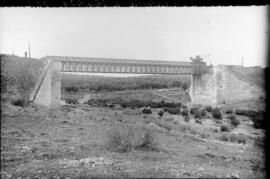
<point>166,33</point>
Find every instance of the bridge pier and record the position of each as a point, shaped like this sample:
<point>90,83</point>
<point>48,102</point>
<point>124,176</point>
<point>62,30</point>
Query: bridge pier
<point>221,86</point>
<point>47,91</point>
<point>202,89</point>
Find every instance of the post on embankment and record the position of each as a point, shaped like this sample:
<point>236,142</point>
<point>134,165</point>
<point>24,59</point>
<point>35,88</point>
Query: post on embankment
<point>47,91</point>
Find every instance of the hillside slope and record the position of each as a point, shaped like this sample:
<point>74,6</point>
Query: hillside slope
<point>253,74</point>
<point>19,74</point>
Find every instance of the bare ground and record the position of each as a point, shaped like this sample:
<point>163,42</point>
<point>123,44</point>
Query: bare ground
<point>70,142</point>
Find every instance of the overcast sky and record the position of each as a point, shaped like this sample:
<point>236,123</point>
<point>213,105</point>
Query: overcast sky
<point>166,33</point>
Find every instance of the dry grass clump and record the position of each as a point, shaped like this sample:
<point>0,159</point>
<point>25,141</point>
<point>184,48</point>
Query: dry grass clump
<point>184,127</point>
<point>127,139</point>
<point>164,124</point>
<point>234,138</point>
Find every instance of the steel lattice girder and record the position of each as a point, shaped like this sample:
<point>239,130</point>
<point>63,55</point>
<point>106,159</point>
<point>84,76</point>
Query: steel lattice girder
<point>106,65</point>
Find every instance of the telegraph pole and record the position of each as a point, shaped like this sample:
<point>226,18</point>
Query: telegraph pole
<point>29,54</point>
<point>12,49</point>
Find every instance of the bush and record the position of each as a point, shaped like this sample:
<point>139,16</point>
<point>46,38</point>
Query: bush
<point>71,101</point>
<point>198,113</point>
<point>160,113</point>
<point>187,118</point>
<point>193,110</point>
<point>184,112</point>
<point>198,121</point>
<point>259,142</point>
<point>147,111</point>
<point>126,139</point>
<point>19,101</point>
<point>243,112</point>
<point>172,110</point>
<point>235,122</point>
<point>224,128</point>
<point>235,138</point>
<point>229,111</point>
<point>71,89</point>
<point>258,121</point>
<point>216,113</point>
<point>208,108</point>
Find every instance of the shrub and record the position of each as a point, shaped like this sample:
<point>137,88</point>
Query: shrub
<point>198,121</point>
<point>198,113</point>
<point>259,169</point>
<point>126,139</point>
<point>19,101</point>
<point>160,113</point>
<point>208,108</point>
<point>235,138</point>
<point>224,128</point>
<point>184,112</point>
<point>172,110</point>
<point>147,111</point>
<point>187,118</point>
<point>193,110</point>
<point>259,142</point>
<point>71,89</point>
<point>71,101</point>
<point>229,111</point>
<point>120,140</point>
<point>243,112</point>
<point>258,121</point>
<point>216,113</point>
<point>235,122</point>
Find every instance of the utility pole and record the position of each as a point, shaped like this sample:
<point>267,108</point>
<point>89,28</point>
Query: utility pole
<point>12,49</point>
<point>29,54</point>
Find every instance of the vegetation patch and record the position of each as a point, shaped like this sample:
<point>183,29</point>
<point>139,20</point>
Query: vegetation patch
<point>208,108</point>
<point>234,138</point>
<point>127,139</point>
<point>224,128</point>
<point>147,111</point>
<point>160,113</point>
<point>71,101</point>
<point>233,120</point>
<point>216,113</point>
<point>166,125</point>
<point>19,101</point>
<point>172,110</point>
<point>184,112</point>
<point>258,121</point>
<point>243,112</point>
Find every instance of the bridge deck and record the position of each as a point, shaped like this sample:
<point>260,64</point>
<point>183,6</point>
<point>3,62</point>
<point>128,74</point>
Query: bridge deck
<point>113,65</point>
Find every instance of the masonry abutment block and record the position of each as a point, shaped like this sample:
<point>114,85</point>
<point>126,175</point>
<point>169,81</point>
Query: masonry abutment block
<point>49,86</point>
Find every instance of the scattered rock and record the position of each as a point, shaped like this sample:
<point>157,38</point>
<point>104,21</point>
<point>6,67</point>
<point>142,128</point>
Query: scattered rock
<point>234,175</point>
<point>85,162</point>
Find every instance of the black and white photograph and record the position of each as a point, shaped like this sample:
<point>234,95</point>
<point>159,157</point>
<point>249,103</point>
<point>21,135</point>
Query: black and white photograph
<point>133,92</point>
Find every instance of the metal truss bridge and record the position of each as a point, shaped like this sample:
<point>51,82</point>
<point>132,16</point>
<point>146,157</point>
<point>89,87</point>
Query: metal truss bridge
<point>110,65</point>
